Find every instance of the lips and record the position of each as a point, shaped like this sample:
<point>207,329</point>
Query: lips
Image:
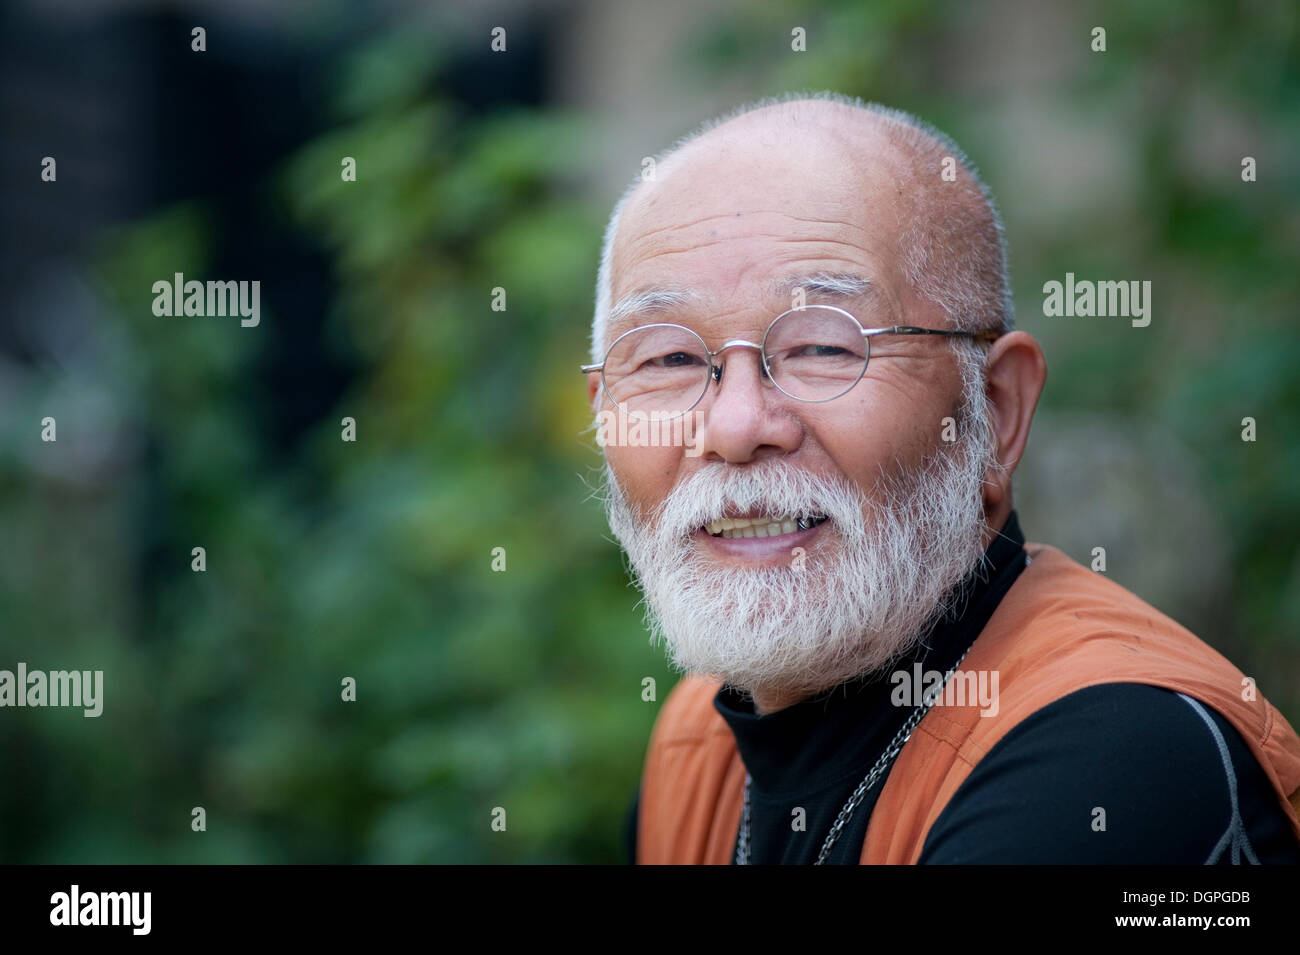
<point>763,525</point>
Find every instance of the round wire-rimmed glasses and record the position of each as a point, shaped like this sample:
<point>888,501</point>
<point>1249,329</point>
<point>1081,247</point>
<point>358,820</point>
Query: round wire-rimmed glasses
<point>812,353</point>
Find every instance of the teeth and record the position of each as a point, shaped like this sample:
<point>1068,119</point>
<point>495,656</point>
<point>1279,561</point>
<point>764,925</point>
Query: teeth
<point>747,527</point>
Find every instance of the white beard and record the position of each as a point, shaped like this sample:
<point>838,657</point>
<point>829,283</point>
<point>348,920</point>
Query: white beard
<point>883,571</point>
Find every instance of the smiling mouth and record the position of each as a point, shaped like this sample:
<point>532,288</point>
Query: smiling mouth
<point>764,525</point>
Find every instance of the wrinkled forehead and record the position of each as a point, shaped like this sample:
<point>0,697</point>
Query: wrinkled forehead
<point>733,220</point>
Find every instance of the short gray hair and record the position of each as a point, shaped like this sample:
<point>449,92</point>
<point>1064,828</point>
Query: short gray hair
<point>956,260</point>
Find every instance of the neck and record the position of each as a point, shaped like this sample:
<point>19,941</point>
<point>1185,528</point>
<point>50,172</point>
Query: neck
<point>771,701</point>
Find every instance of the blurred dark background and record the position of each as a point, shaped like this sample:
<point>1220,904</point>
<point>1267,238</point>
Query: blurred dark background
<point>479,170</point>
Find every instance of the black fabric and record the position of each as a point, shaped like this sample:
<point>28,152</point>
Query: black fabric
<point>1140,753</point>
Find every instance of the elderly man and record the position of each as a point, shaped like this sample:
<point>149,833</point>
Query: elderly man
<point>878,668</point>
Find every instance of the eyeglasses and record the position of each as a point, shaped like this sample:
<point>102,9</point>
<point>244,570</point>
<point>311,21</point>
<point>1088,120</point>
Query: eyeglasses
<point>811,353</point>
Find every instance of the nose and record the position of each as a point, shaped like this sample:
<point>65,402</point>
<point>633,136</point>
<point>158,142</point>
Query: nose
<point>716,370</point>
<point>743,415</point>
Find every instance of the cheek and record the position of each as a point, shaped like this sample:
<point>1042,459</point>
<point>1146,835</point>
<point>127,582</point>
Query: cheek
<point>878,435</point>
<point>646,475</point>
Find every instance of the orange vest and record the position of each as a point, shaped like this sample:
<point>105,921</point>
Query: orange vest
<point>1060,628</point>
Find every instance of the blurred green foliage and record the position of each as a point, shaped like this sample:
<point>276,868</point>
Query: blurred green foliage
<point>373,560</point>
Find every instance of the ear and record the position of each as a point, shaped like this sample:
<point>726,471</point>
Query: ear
<point>1014,376</point>
<point>593,387</point>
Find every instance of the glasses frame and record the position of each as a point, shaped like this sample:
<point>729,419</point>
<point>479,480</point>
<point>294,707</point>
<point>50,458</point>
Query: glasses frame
<point>715,368</point>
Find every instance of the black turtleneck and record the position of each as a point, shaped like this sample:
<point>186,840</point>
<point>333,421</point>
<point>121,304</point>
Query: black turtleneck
<point>1137,751</point>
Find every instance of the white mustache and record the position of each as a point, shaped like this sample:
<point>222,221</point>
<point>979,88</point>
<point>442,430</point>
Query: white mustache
<point>770,487</point>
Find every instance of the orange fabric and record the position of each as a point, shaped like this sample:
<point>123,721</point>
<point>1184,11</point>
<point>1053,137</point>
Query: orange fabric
<point>1060,628</point>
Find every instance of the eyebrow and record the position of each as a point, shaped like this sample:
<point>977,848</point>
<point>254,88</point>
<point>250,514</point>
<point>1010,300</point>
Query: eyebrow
<point>652,300</point>
<point>842,285</point>
<point>832,285</point>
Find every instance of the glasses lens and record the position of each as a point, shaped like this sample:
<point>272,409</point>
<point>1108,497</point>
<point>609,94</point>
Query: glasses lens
<point>815,353</point>
<point>657,368</point>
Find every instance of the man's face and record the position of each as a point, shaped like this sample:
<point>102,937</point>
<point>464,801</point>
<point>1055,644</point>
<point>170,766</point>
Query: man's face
<point>730,224</point>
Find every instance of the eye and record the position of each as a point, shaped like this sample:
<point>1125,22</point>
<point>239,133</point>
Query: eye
<point>816,351</point>
<point>678,359</point>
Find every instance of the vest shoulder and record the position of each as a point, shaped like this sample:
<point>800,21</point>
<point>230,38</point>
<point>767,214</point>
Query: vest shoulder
<point>1062,628</point>
<point>1059,602</point>
<point>1059,629</point>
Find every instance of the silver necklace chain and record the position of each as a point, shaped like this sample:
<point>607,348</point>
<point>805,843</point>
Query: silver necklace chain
<point>886,758</point>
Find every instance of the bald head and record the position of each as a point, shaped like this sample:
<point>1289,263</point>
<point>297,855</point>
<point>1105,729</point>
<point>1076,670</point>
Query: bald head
<point>927,226</point>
